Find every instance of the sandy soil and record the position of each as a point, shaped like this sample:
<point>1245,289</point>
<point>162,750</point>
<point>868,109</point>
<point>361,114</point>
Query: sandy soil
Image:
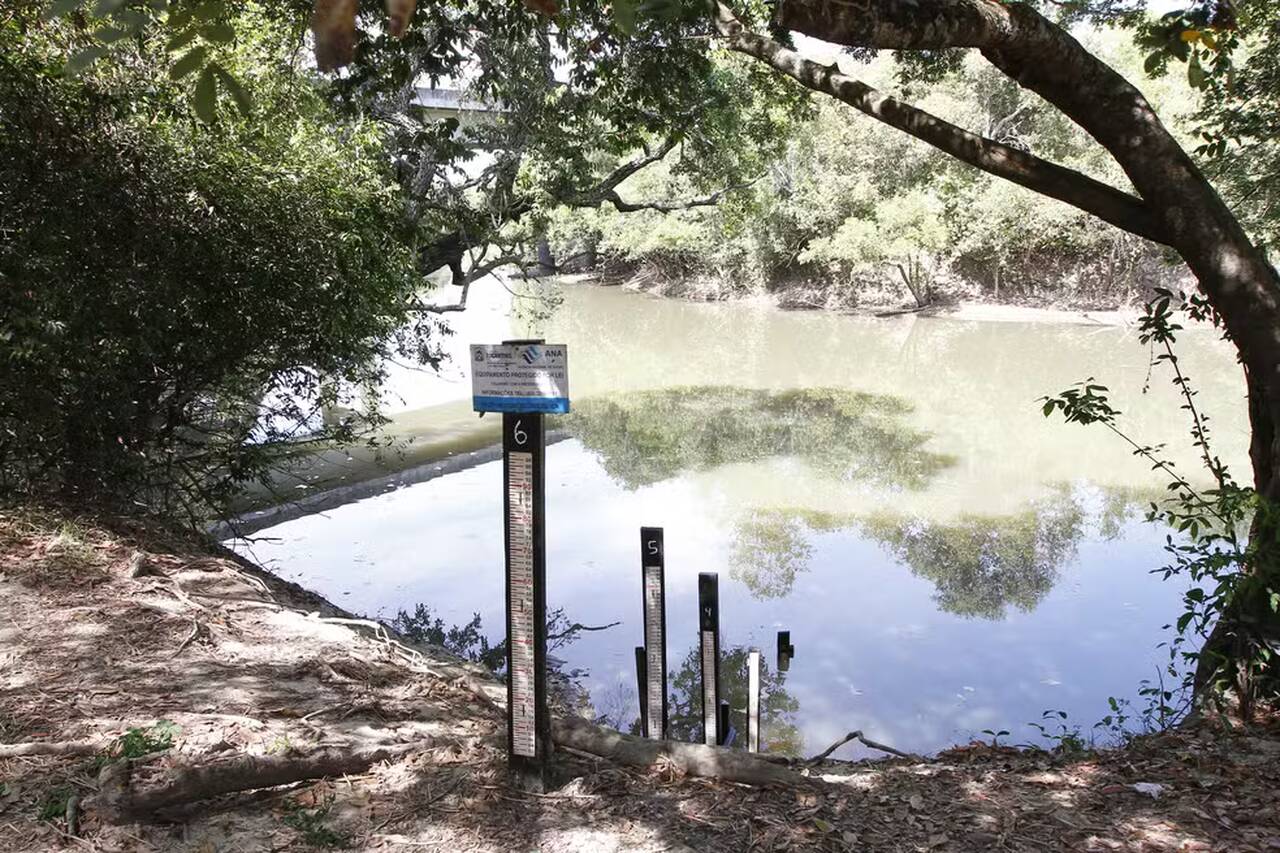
<point>243,663</point>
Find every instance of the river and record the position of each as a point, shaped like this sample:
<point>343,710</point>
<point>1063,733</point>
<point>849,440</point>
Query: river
<point>948,561</point>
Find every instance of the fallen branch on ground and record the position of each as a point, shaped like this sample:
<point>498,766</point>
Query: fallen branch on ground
<point>129,792</point>
<point>865,741</point>
<point>70,747</point>
<point>896,311</point>
<point>196,627</point>
<point>692,758</point>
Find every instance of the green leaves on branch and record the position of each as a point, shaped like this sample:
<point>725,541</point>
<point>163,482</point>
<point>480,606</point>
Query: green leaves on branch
<point>193,32</point>
<point>627,14</point>
<point>1085,403</point>
<point>1224,536</point>
<point>205,96</point>
<point>190,61</point>
<point>1190,36</point>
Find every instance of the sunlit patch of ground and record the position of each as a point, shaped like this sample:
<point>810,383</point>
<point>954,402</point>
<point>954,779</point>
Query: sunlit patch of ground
<point>245,664</point>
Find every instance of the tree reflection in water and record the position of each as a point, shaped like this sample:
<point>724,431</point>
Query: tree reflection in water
<point>778,732</point>
<point>646,437</point>
<point>980,565</point>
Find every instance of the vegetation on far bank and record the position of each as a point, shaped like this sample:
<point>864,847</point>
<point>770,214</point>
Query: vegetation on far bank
<point>850,218</point>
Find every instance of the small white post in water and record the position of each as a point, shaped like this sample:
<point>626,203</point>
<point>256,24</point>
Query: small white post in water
<point>753,700</point>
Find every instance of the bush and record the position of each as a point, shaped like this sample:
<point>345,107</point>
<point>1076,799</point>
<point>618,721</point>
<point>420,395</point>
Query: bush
<point>179,303</point>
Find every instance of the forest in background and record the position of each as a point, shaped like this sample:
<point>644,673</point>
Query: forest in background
<point>849,217</point>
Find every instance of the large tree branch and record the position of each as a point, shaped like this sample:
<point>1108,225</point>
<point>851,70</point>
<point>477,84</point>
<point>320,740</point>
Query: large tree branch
<point>629,168</point>
<point>1107,203</point>
<point>472,275</point>
<point>668,206</point>
<point>915,25</point>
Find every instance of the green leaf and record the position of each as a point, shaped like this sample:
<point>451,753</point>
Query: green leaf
<point>1048,408</point>
<point>242,100</point>
<point>110,35</point>
<point>58,8</point>
<point>105,7</point>
<point>210,11</point>
<point>132,19</point>
<point>81,60</point>
<point>189,62</point>
<point>1195,74</point>
<point>1152,65</point>
<point>624,15</point>
<point>206,96</point>
<point>181,39</point>
<point>219,31</point>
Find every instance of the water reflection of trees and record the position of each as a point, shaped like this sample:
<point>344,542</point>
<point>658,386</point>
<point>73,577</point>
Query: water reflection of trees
<point>778,732</point>
<point>980,565</point>
<point>770,547</point>
<point>648,436</point>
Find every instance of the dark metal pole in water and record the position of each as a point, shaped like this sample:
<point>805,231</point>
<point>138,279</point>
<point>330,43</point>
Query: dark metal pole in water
<point>640,690</point>
<point>786,651</point>
<point>709,647</point>
<point>727,731</point>
<point>523,477</point>
<point>654,588</point>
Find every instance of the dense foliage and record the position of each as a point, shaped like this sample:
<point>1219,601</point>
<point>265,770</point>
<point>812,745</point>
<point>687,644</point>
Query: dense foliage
<point>1240,125</point>
<point>178,302</point>
<point>856,214</point>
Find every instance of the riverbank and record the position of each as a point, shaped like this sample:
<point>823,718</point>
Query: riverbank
<point>958,304</point>
<point>109,629</point>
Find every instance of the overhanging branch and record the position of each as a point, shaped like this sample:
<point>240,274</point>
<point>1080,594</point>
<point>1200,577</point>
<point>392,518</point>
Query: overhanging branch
<point>668,206</point>
<point>1118,208</point>
<point>626,170</point>
<point>473,275</point>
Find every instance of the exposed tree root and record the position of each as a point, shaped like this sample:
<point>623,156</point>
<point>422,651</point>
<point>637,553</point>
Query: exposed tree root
<point>692,758</point>
<point>130,792</point>
<point>71,747</point>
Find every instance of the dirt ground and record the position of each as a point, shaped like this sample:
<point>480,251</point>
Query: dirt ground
<point>243,663</point>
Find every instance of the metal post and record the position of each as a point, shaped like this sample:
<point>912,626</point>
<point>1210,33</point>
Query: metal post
<point>528,723</point>
<point>709,644</point>
<point>786,651</point>
<point>640,689</point>
<point>753,700</point>
<point>727,731</point>
<point>654,587</point>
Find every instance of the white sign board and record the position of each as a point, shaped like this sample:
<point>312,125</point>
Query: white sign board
<point>520,378</point>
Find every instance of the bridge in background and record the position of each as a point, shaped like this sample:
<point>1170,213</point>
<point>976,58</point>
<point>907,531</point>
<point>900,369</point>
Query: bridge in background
<point>443,103</point>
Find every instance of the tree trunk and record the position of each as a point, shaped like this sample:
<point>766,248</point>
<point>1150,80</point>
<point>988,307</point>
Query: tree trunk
<point>546,260</point>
